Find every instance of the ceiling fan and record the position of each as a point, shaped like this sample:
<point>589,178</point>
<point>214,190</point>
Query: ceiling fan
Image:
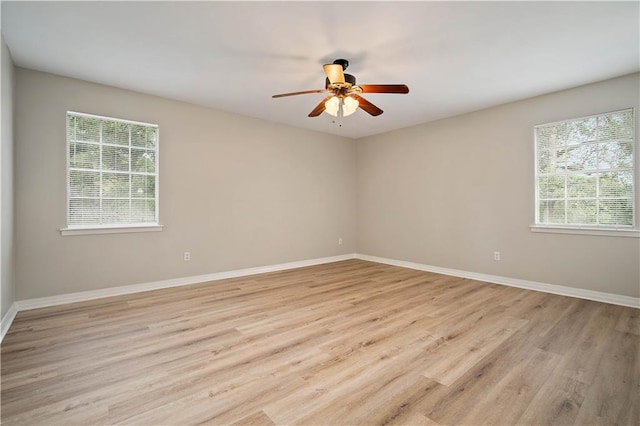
<point>344,96</point>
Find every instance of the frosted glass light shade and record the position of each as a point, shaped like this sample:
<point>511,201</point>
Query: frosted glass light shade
<point>331,106</point>
<point>349,106</point>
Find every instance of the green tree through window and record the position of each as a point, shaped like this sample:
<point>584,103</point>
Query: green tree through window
<point>112,172</point>
<point>585,171</point>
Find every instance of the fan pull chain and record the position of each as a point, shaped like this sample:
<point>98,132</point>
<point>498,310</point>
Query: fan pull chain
<point>340,113</point>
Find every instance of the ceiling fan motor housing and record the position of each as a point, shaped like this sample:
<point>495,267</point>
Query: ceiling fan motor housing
<point>348,79</point>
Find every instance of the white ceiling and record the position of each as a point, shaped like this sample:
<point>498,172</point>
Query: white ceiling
<point>455,57</point>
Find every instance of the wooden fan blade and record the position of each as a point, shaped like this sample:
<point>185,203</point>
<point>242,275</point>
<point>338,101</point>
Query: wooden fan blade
<point>319,109</point>
<point>384,88</point>
<point>334,72</point>
<point>366,105</point>
<point>282,95</point>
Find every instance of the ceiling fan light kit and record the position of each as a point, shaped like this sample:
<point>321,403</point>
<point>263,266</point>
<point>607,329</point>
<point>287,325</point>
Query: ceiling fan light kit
<point>346,105</point>
<point>344,98</point>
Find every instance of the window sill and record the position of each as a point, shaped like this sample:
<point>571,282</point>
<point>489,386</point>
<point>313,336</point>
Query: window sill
<point>110,230</point>
<point>610,232</point>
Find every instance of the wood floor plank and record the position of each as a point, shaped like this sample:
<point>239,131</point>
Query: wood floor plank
<point>629,322</point>
<point>505,402</point>
<point>615,398</point>
<point>459,353</point>
<point>557,402</point>
<point>259,418</point>
<point>582,360</point>
<point>450,407</point>
<point>351,342</point>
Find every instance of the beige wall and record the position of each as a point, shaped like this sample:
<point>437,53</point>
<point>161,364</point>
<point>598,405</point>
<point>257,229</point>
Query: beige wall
<point>239,192</point>
<point>6,181</point>
<point>450,193</point>
<point>234,191</point>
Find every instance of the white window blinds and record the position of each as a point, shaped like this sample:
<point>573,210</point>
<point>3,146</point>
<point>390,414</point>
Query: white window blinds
<point>112,172</point>
<point>585,172</point>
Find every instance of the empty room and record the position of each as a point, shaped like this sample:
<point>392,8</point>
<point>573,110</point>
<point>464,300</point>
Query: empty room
<point>320,213</point>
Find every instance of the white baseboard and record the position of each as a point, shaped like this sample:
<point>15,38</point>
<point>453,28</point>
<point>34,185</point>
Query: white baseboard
<point>62,299</point>
<point>7,320</point>
<point>43,302</point>
<point>615,299</point>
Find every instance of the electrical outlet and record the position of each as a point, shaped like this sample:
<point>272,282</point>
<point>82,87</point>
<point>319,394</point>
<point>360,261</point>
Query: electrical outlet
<point>187,256</point>
<point>496,255</point>
<point>339,241</point>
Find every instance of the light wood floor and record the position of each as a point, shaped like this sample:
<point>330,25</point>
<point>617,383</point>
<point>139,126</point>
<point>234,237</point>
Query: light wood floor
<point>351,342</point>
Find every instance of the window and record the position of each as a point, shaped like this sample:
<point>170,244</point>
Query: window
<point>112,172</point>
<point>585,172</point>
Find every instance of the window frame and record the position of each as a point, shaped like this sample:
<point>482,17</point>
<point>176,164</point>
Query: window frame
<point>601,230</point>
<point>109,228</point>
